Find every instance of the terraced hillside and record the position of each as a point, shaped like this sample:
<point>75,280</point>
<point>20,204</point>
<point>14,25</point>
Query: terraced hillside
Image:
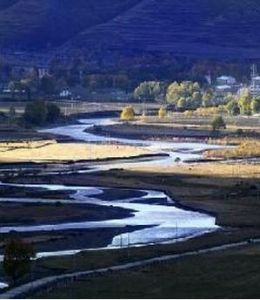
<point>38,23</point>
<point>217,28</point>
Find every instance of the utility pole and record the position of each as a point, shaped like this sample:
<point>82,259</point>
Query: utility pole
<point>128,245</point>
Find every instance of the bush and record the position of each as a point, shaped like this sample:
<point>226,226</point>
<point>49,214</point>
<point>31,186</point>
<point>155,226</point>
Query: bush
<point>53,113</point>
<point>218,123</point>
<point>36,113</point>
<point>40,112</point>
<point>128,113</point>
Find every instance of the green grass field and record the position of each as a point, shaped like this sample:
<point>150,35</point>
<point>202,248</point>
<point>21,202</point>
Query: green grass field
<point>229,274</point>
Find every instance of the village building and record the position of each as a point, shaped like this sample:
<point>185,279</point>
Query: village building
<point>226,85</point>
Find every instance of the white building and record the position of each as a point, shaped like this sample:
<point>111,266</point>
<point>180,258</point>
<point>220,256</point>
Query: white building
<point>255,86</point>
<point>226,85</point>
<point>226,81</point>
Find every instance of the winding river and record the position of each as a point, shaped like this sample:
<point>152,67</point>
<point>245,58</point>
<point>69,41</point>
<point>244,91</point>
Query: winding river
<point>155,216</point>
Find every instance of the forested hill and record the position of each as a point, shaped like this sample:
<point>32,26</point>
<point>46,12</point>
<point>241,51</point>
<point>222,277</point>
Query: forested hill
<point>216,28</point>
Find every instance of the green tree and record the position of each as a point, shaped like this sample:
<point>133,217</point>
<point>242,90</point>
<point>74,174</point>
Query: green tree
<point>245,104</point>
<point>218,123</point>
<point>53,112</point>
<point>148,90</point>
<point>207,99</point>
<point>255,105</point>
<point>181,104</point>
<point>36,113</point>
<point>128,113</point>
<point>187,90</point>
<point>174,93</point>
<point>233,108</point>
<point>18,257</point>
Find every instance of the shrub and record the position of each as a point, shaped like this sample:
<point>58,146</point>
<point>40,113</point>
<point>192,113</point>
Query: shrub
<point>218,123</point>
<point>36,113</point>
<point>162,113</point>
<point>54,112</point>
<point>128,113</point>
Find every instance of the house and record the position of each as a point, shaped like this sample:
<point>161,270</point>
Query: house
<point>226,85</point>
<point>226,81</point>
<point>255,86</point>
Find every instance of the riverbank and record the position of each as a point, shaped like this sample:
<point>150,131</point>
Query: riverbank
<point>161,131</point>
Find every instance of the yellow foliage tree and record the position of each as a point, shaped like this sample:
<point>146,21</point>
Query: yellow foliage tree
<point>162,113</point>
<point>127,113</point>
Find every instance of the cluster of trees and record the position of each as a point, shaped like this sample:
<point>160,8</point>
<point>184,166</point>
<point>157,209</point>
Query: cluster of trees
<point>149,90</point>
<point>189,95</point>
<point>184,95</point>
<point>246,104</point>
<point>40,112</point>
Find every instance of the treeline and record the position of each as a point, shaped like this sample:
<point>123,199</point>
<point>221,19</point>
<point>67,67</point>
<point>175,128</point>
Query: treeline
<point>188,95</point>
<point>97,72</point>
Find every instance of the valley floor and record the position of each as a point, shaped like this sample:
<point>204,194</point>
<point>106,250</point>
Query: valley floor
<point>228,190</point>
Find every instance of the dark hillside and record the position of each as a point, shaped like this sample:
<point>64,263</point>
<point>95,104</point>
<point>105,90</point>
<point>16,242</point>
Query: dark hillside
<point>217,28</point>
<point>41,23</point>
<point>198,28</point>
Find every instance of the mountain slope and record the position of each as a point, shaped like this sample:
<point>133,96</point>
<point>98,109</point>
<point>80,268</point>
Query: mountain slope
<point>216,28</point>
<point>38,23</point>
<point>199,28</point>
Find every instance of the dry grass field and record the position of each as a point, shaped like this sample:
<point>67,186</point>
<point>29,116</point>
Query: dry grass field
<point>40,151</point>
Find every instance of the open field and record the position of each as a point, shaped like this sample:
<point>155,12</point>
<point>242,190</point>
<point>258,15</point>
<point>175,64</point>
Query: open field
<point>228,274</point>
<point>211,169</point>
<point>52,151</point>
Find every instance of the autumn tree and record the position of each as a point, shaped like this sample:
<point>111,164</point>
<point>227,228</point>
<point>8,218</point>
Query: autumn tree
<point>245,104</point>
<point>185,95</point>
<point>255,105</point>
<point>162,113</point>
<point>128,113</point>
